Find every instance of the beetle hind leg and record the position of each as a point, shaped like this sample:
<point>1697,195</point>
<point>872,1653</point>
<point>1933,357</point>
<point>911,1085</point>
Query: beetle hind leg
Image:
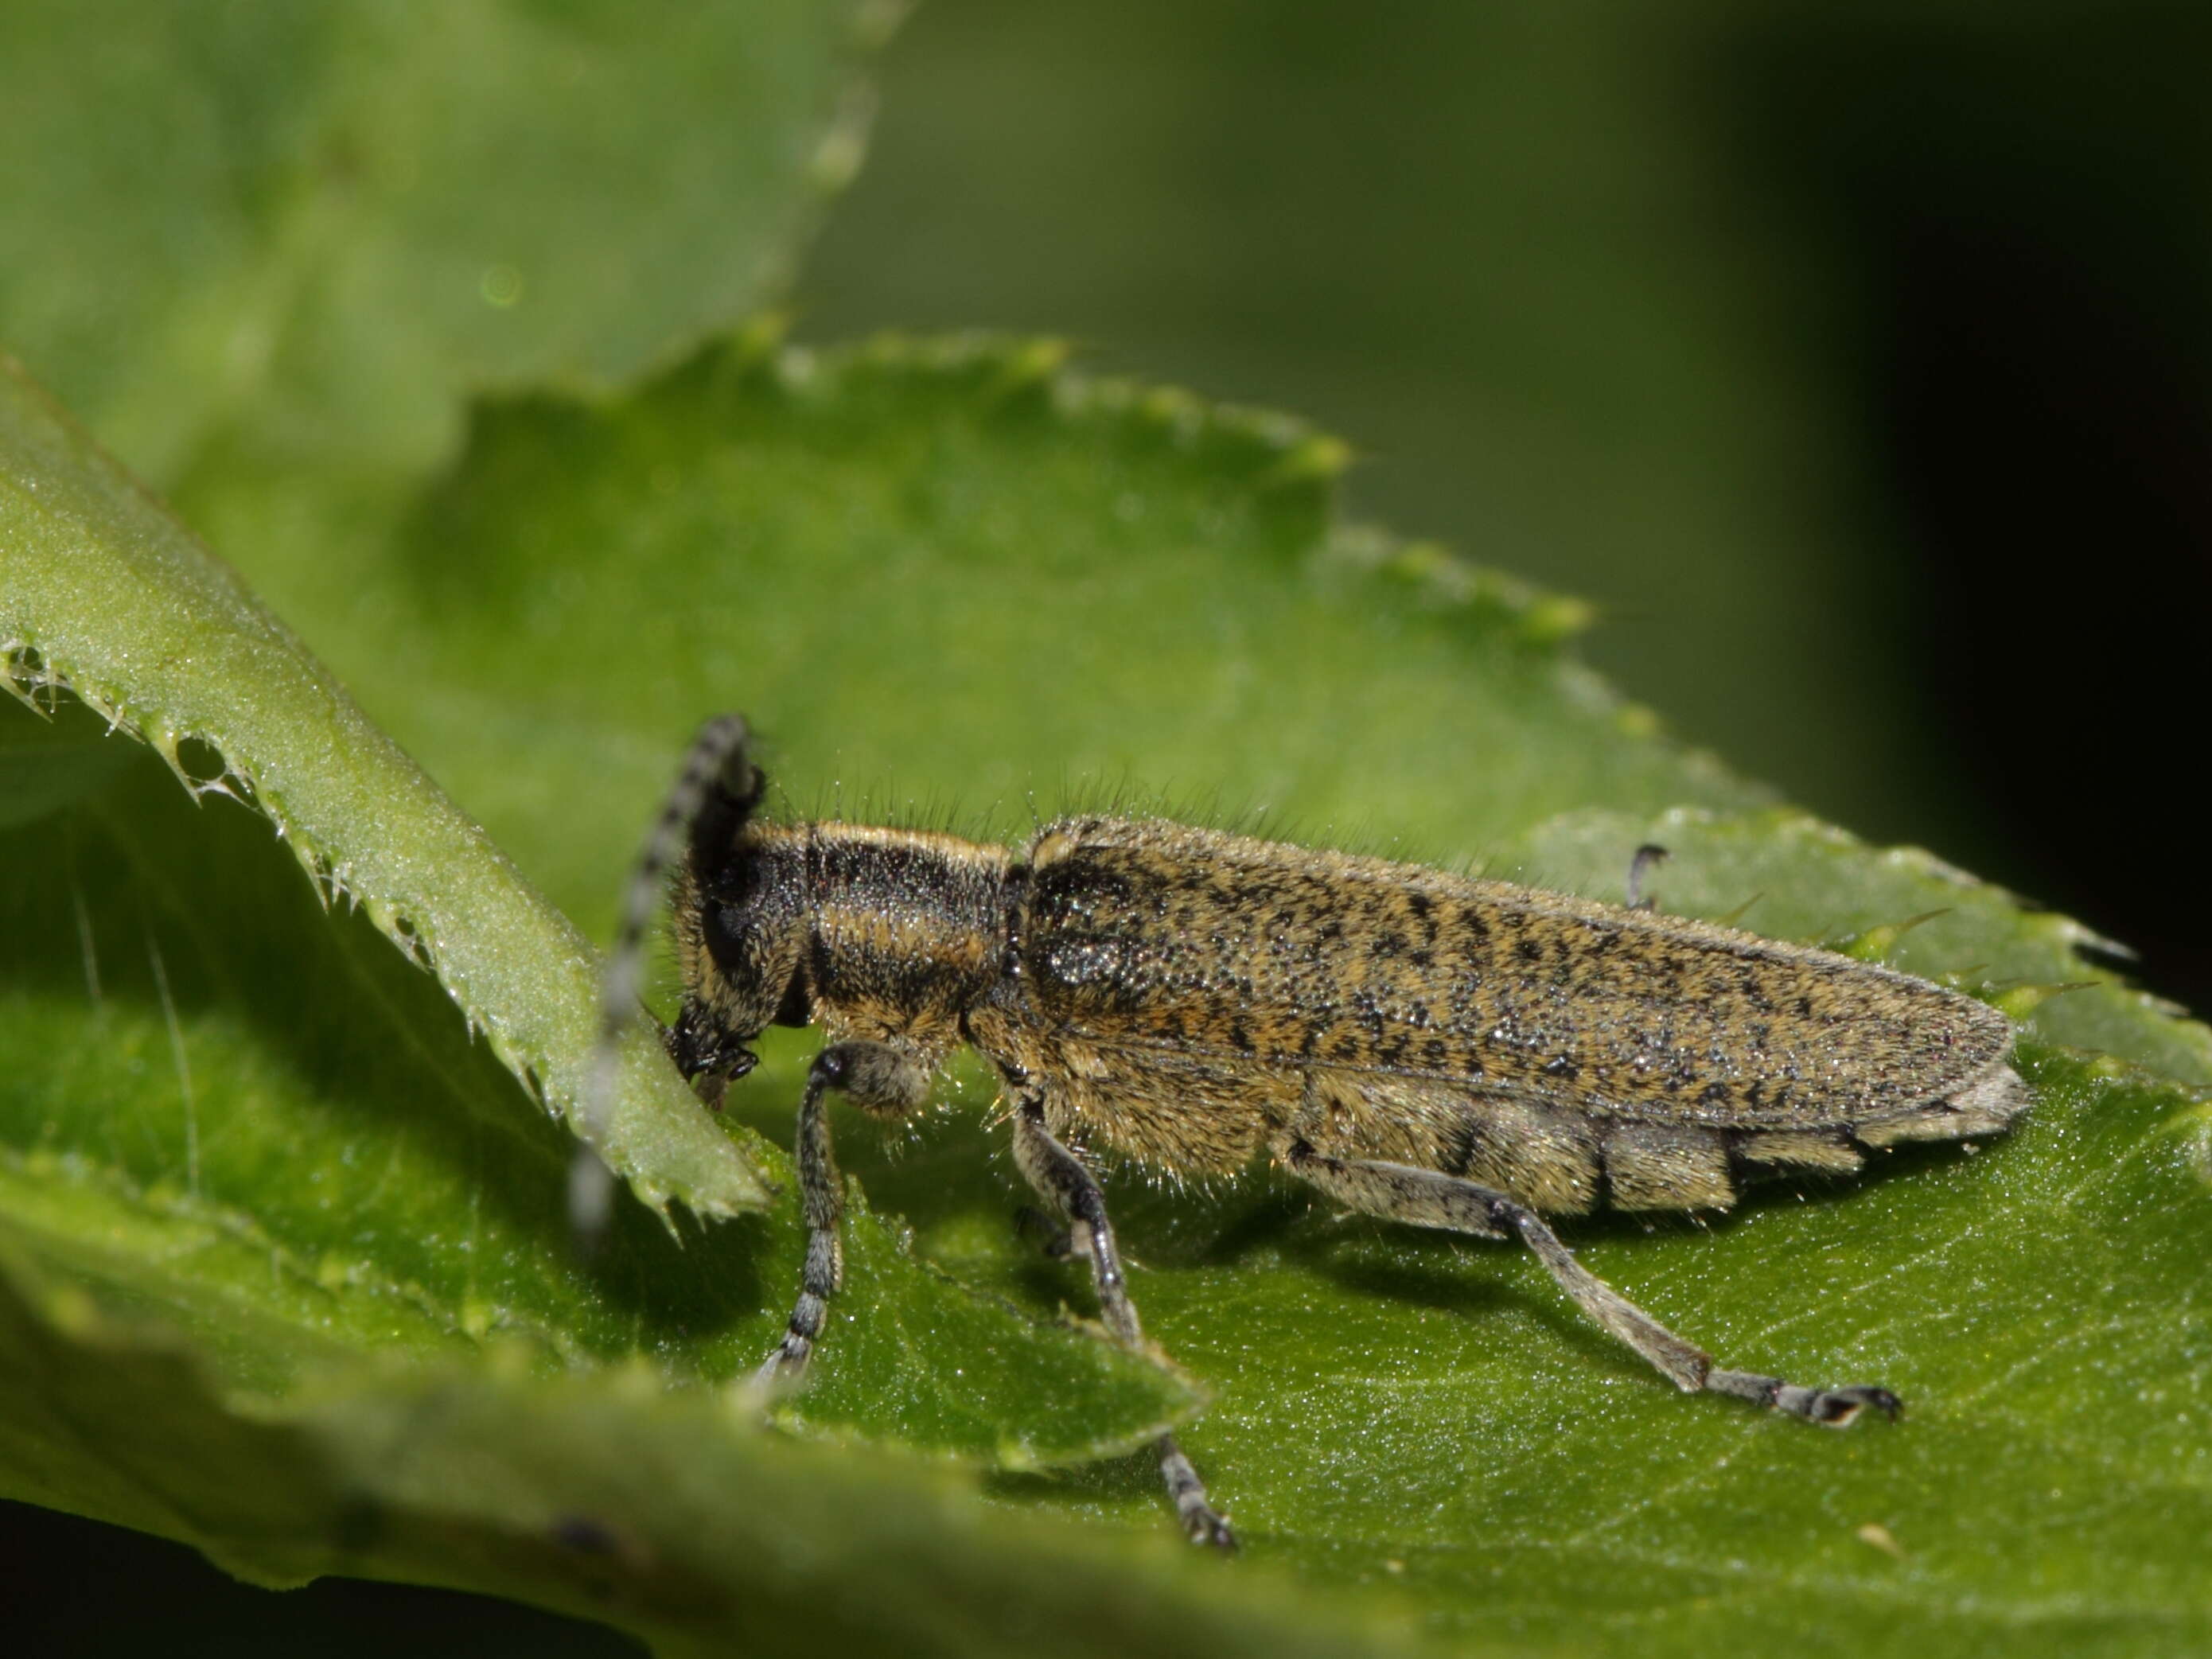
<point>1639,866</point>
<point>1426,1198</point>
<point>1833,1408</point>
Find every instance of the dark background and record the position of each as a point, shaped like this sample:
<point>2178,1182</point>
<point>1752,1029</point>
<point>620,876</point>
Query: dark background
<point>1853,360</point>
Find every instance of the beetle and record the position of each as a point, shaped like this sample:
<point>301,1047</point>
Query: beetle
<point>1421,1047</point>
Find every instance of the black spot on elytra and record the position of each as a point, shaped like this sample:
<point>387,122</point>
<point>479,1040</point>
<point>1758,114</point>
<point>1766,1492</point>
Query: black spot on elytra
<point>1753,991</point>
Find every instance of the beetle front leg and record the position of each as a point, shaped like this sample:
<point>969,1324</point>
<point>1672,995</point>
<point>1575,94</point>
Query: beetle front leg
<point>879,1078</point>
<point>1061,1180</point>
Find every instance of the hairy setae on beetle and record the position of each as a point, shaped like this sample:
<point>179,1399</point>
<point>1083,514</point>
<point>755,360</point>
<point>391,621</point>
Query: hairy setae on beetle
<point>1420,1047</point>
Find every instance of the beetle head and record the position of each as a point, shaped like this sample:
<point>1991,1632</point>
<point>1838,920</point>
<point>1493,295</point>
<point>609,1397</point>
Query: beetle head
<point>742,929</point>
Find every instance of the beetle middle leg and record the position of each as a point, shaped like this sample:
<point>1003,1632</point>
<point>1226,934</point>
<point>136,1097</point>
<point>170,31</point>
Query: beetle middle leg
<point>1427,1198</point>
<point>879,1078</point>
<point>1061,1181</point>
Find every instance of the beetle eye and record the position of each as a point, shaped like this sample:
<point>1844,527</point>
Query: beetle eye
<point>733,883</point>
<point>725,930</point>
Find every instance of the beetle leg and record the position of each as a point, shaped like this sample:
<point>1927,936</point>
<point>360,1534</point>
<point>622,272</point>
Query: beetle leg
<point>1426,1198</point>
<point>1638,866</point>
<point>1061,1180</point>
<point>880,1077</point>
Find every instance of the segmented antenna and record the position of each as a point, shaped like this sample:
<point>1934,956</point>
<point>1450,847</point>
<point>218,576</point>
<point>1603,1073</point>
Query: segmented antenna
<point>715,767</point>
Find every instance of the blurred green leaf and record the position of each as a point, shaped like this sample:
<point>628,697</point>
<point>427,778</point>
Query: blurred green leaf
<point>604,1494</point>
<point>103,594</point>
<point>952,582</point>
<point>312,230</point>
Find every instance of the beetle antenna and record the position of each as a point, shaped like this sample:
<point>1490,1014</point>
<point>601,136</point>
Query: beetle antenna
<point>716,793</point>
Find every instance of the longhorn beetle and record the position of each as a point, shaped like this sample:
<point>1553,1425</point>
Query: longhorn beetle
<point>1421,1047</point>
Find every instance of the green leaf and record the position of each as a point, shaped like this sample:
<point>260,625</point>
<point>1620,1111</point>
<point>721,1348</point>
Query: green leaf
<point>605,1495</point>
<point>952,582</point>
<point>312,230</point>
<point>105,595</point>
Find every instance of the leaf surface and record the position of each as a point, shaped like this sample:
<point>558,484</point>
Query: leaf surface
<point>953,583</point>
